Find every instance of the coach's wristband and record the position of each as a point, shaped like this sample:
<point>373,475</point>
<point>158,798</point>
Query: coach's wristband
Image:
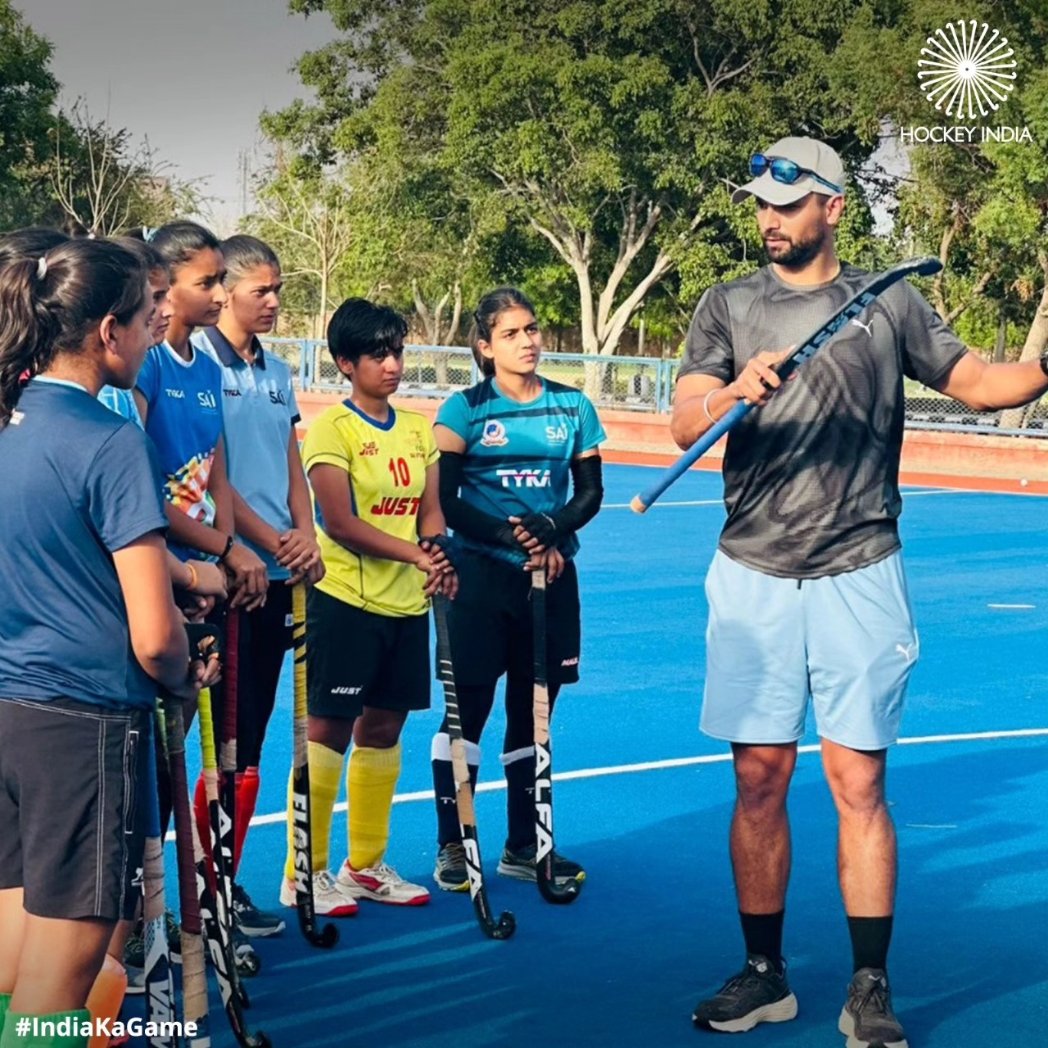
<point>225,553</point>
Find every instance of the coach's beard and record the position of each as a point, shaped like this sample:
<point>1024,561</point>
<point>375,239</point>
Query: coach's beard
<point>793,254</point>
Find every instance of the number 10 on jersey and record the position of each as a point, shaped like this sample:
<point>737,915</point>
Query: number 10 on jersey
<point>401,472</point>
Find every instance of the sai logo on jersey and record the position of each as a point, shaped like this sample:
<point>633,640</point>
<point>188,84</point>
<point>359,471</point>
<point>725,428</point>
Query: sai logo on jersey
<point>494,435</point>
<point>557,434</point>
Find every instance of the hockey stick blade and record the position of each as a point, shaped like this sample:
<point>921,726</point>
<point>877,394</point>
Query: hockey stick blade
<point>806,349</point>
<point>506,924</point>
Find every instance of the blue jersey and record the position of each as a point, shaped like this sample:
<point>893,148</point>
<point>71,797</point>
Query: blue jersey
<point>121,401</point>
<point>79,484</point>
<point>259,412</point>
<point>518,455</point>
<point>184,418</point>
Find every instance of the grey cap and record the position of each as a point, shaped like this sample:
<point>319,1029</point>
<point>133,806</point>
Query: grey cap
<point>809,153</point>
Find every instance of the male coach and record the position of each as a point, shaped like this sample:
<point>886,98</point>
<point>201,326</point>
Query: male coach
<point>807,592</point>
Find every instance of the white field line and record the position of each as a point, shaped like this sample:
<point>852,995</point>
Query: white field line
<point>674,762</point>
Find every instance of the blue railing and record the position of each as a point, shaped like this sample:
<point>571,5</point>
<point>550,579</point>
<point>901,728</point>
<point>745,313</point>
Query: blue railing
<point>628,383</point>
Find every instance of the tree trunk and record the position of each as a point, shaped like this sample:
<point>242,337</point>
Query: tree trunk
<point>1033,347</point>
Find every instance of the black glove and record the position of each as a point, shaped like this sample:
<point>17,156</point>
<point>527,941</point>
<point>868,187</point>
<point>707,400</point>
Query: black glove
<point>541,526</point>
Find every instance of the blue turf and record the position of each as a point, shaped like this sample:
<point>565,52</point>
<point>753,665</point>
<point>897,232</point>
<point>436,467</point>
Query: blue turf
<point>655,927</point>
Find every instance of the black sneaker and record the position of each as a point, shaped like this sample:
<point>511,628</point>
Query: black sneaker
<point>450,873</point>
<point>253,922</point>
<point>758,994</point>
<point>521,866</point>
<point>867,1019</point>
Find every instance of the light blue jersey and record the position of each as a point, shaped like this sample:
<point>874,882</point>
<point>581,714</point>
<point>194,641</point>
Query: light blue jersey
<point>121,401</point>
<point>518,455</point>
<point>259,409</point>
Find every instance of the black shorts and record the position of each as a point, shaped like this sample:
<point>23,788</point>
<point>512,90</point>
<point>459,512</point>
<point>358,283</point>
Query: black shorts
<point>490,623</point>
<point>71,810</point>
<point>356,658</point>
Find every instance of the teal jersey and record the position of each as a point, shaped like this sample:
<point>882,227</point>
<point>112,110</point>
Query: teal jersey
<point>518,455</point>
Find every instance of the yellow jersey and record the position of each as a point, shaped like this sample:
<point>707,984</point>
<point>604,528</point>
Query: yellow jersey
<point>386,463</point>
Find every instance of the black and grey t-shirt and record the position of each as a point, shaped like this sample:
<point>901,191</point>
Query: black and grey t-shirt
<point>811,480</point>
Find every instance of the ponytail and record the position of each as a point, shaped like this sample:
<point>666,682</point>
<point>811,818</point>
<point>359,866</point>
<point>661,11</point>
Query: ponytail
<point>50,305</point>
<point>26,336</point>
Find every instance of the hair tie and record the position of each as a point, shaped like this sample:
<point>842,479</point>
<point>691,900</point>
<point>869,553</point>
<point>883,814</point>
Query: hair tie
<point>148,232</point>
<point>41,268</point>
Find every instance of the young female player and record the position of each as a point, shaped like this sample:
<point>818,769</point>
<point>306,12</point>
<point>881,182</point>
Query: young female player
<point>179,397</point>
<point>373,469</point>
<point>272,511</point>
<point>87,593</point>
<point>511,448</point>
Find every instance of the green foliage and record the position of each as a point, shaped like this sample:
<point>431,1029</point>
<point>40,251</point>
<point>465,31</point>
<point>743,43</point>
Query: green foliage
<point>27,93</point>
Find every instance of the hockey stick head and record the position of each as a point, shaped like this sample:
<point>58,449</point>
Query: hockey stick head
<point>552,890</point>
<point>324,938</point>
<point>927,266</point>
<point>503,928</point>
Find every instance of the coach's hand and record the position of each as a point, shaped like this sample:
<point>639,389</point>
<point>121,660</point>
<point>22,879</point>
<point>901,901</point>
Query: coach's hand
<point>758,380</point>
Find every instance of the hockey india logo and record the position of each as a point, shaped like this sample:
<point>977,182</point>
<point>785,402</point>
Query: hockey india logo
<point>966,70</point>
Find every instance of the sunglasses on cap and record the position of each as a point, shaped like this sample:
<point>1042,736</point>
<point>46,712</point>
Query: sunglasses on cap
<point>785,171</point>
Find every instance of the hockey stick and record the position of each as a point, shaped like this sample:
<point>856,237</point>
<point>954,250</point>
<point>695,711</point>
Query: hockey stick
<point>506,925</point>
<point>159,985</point>
<point>804,351</point>
<point>550,889</point>
<point>194,977</point>
<point>327,936</point>
<point>198,909</point>
<point>216,869</point>
<point>245,958</point>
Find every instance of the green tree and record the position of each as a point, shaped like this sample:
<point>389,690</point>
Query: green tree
<point>27,94</point>
<point>608,128</point>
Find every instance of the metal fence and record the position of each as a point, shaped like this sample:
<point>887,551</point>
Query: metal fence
<point>627,383</point>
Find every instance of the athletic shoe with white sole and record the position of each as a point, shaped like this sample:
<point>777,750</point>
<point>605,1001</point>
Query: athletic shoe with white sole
<point>329,900</point>
<point>758,994</point>
<point>381,884</point>
<point>450,872</point>
<point>867,1019</point>
<point>253,922</point>
<point>520,865</point>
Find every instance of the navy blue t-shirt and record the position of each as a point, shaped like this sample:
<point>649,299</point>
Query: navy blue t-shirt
<point>79,483</point>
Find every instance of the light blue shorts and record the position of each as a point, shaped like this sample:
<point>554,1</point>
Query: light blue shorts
<point>847,641</point>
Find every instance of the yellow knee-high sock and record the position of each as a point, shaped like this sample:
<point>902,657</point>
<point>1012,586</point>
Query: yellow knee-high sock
<point>371,779</point>
<point>325,774</point>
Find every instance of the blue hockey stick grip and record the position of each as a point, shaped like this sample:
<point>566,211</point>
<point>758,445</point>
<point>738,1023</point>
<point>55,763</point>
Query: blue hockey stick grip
<point>642,502</point>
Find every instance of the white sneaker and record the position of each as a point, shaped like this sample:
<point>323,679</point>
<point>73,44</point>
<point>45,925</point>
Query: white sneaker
<point>381,884</point>
<point>330,899</point>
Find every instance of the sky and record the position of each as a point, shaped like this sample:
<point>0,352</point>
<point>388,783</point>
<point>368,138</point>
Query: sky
<point>191,76</point>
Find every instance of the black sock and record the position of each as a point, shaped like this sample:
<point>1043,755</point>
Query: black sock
<point>519,769</point>
<point>763,934</point>
<point>448,830</point>
<point>870,937</point>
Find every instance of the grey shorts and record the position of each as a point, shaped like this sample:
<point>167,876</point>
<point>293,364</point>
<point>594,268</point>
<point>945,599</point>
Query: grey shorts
<point>71,823</point>
<point>845,641</point>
